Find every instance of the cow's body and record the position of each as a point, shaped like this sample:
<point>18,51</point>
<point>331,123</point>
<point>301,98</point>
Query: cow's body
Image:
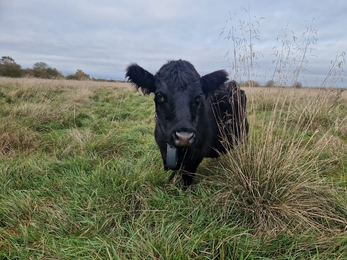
<point>197,116</point>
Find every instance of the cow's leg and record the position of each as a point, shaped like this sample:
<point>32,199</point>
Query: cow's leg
<point>188,178</point>
<point>188,172</point>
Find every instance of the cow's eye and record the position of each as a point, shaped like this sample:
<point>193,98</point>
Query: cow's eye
<point>198,100</point>
<point>159,97</point>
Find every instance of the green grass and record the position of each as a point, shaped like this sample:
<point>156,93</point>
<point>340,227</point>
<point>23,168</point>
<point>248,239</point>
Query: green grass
<point>81,178</point>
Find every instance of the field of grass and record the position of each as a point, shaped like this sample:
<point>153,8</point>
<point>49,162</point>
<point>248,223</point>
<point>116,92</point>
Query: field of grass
<point>81,178</point>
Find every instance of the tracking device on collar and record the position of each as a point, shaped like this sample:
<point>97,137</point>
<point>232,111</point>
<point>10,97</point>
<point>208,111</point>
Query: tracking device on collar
<point>171,156</point>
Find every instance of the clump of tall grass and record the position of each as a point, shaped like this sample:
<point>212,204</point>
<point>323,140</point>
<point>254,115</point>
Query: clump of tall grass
<point>275,178</point>
<point>278,179</point>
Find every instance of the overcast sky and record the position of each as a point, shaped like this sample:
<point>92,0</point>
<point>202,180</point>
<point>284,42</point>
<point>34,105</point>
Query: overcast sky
<point>102,37</point>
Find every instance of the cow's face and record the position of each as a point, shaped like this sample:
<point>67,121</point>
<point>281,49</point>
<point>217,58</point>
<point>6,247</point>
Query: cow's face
<point>180,95</point>
<point>178,107</point>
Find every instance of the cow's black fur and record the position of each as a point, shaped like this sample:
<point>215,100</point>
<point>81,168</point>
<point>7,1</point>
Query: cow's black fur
<point>207,112</point>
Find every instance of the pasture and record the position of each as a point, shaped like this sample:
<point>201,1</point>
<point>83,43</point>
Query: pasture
<point>81,178</point>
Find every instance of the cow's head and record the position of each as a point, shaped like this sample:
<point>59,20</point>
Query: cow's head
<point>180,95</point>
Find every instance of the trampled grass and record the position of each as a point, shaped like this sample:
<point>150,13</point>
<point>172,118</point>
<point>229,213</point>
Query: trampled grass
<point>81,178</point>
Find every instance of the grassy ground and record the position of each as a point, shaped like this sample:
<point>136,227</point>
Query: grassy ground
<point>81,178</point>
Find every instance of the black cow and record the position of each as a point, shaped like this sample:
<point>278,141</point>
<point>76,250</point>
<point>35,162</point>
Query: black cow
<point>196,117</point>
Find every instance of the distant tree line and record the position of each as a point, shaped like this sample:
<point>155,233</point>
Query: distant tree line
<point>9,68</point>
<point>270,83</point>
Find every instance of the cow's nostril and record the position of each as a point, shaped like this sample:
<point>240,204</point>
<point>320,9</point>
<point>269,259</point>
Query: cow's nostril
<point>184,138</point>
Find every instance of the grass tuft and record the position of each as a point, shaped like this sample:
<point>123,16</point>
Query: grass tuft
<point>275,179</point>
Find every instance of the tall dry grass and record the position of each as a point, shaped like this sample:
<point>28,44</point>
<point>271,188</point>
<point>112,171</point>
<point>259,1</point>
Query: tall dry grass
<point>279,179</point>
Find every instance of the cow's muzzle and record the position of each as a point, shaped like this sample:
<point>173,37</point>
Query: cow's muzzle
<point>183,138</point>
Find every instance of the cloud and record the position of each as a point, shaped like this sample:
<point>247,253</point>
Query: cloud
<point>103,37</point>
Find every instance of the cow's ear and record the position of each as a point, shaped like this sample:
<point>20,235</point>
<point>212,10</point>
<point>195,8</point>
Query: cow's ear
<point>213,81</point>
<point>141,78</point>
